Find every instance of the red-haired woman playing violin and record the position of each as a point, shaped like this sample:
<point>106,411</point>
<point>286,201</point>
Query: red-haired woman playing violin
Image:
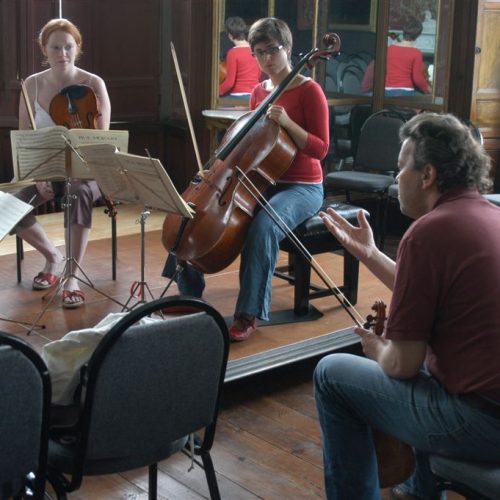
<point>60,42</point>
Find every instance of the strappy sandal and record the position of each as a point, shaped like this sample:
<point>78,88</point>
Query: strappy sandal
<point>44,281</point>
<point>67,297</point>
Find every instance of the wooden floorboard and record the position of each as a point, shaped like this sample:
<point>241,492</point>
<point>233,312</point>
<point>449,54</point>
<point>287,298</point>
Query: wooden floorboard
<point>268,440</point>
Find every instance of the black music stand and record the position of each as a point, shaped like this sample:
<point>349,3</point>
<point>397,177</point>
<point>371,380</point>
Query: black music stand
<point>50,154</point>
<point>135,179</point>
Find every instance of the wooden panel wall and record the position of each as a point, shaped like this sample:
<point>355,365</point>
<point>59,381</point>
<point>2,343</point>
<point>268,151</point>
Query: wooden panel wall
<point>485,110</point>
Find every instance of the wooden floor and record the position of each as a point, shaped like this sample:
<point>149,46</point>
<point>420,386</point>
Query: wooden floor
<point>268,441</point>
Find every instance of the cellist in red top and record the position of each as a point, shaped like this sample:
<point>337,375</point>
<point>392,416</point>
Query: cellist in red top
<point>302,110</point>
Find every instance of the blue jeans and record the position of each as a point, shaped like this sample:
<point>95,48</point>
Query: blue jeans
<point>189,280</point>
<point>353,395</point>
<point>294,203</point>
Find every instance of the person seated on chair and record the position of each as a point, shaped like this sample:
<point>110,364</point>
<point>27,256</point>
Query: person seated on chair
<point>405,71</point>
<point>242,70</point>
<point>60,42</point>
<point>432,378</point>
<point>302,111</point>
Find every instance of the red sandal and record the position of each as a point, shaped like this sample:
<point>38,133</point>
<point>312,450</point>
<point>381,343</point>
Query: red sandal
<point>67,297</point>
<point>44,281</point>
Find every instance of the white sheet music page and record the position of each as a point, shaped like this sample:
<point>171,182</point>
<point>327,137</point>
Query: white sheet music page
<point>108,172</point>
<point>134,179</point>
<point>44,154</point>
<point>12,210</point>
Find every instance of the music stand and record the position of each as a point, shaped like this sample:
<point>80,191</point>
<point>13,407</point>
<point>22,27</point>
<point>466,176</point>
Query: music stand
<point>13,210</point>
<point>135,179</point>
<point>49,154</point>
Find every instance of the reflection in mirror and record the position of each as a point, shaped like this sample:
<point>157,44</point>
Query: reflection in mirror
<point>355,24</point>
<point>234,84</point>
<point>299,15</point>
<point>412,45</point>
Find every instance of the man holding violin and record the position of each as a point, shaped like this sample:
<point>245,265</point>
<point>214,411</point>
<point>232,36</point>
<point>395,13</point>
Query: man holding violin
<point>60,42</point>
<point>432,378</point>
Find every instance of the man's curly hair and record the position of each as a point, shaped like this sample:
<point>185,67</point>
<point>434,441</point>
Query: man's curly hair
<point>444,141</point>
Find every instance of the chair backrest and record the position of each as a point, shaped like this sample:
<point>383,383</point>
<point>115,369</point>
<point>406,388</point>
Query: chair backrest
<point>24,409</point>
<point>147,386</point>
<point>379,144</point>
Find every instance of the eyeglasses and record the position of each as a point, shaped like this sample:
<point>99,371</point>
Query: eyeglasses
<point>270,51</point>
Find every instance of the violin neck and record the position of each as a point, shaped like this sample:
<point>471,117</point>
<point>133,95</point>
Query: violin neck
<point>261,109</point>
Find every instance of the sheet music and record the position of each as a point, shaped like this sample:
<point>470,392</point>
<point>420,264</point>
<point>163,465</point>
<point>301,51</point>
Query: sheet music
<point>133,178</point>
<point>12,210</point>
<point>107,170</point>
<point>43,154</point>
<point>10,187</point>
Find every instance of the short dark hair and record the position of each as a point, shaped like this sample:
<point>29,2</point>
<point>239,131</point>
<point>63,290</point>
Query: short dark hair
<point>270,28</point>
<point>443,141</point>
<point>412,29</point>
<point>236,27</point>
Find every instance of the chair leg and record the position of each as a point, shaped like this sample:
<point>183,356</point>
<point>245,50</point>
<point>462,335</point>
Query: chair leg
<point>19,257</point>
<point>208,466</point>
<point>114,248</point>
<point>153,482</point>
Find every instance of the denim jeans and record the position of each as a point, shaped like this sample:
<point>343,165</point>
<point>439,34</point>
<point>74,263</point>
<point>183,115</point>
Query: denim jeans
<point>353,395</point>
<point>294,203</point>
<point>189,280</point>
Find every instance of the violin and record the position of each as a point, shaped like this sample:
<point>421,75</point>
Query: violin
<point>255,149</point>
<point>395,459</point>
<point>76,106</point>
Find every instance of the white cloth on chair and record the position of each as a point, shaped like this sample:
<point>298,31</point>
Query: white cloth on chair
<point>65,357</point>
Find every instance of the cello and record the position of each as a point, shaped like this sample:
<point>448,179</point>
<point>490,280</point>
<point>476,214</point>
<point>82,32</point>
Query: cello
<point>254,147</point>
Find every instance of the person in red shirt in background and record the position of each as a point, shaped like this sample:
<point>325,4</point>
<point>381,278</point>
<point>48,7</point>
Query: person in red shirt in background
<point>242,70</point>
<point>405,69</point>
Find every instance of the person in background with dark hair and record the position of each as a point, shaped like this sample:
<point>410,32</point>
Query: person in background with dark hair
<point>432,378</point>
<point>405,70</point>
<point>242,70</point>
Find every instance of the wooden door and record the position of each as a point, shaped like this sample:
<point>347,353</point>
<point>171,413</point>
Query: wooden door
<point>485,109</point>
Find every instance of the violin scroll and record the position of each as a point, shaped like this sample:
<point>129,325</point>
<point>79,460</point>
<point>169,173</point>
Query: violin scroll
<point>377,321</point>
<point>332,41</point>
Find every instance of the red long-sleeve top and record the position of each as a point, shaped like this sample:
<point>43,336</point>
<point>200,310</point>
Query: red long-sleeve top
<point>306,105</point>
<point>242,72</point>
<point>404,68</point>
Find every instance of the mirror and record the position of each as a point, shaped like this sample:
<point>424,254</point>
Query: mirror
<point>299,15</point>
<point>417,43</point>
<point>355,23</point>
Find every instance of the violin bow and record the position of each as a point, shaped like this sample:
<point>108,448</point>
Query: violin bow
<point>27,103</point>
<point>186,108</point>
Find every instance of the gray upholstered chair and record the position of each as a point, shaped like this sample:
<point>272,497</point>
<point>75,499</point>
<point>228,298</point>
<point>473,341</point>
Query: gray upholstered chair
<point>25,393</point>
<point>474,480</point>
<point>375,163</point>
<point>143,391</point>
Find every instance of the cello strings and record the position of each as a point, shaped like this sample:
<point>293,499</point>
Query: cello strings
<point>247,183</point>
